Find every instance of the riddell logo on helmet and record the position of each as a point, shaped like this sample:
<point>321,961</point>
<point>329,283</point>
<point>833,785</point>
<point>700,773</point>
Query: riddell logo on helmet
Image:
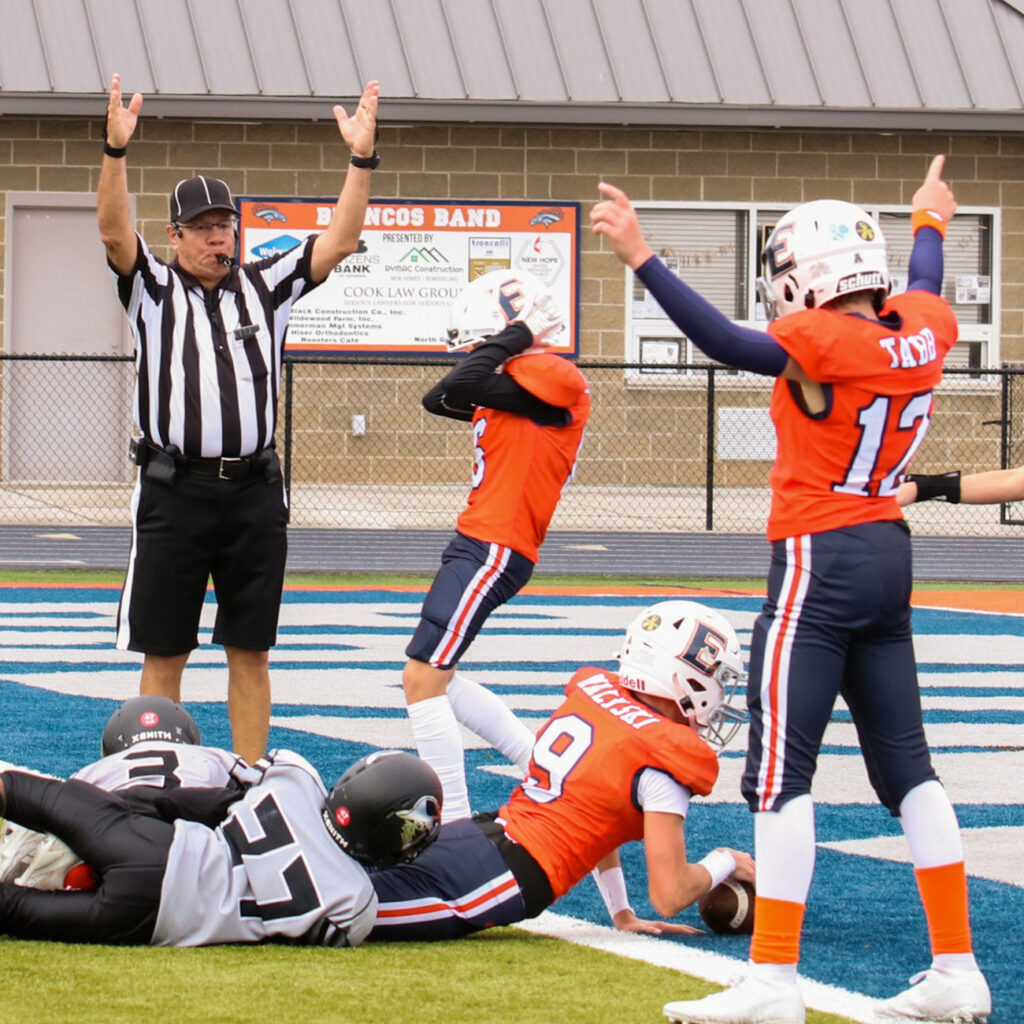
<point>633,683</point>
<point>859,281</point>
<point>149,719</point>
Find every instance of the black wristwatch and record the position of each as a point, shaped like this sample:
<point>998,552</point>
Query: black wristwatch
<point>368,162</point>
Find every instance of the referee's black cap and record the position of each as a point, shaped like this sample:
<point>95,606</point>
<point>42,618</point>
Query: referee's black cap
<point>193,196</point>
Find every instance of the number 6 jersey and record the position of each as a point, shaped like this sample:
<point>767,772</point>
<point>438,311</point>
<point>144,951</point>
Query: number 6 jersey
<point>843,466</point>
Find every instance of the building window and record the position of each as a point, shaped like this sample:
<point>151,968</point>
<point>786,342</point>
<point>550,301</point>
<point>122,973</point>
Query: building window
<point>716,248</point>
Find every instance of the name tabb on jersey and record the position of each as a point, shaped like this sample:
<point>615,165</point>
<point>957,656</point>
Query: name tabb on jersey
<point>606,695</point>
<point>907,353</point>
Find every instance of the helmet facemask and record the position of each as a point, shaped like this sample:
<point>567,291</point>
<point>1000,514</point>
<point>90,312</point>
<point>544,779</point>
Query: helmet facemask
<point>385,809</point>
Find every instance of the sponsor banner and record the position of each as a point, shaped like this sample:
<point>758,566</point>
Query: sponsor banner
<point>394,294</point>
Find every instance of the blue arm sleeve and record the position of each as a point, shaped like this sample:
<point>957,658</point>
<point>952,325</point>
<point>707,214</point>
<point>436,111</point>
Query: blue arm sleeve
<point>708,328</point>
<point>924,272</point>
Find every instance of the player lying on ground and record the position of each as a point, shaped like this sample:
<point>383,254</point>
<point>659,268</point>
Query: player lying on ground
<point>148,741</point>
<point>991,488</point>
<point>528,407</point>
<point>617,761</point>
<point>193,866</point>
<point>856,372</point>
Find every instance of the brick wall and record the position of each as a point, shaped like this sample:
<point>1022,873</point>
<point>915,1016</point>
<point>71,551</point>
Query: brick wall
<point>469,162</point>
<point>549,163</point>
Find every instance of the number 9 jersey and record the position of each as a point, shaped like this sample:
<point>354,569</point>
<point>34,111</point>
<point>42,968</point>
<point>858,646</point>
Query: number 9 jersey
<point>843,466</point>
<point>580,800</point>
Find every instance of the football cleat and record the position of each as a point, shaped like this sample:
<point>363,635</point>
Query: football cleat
<point>18,846</point>
<point>750,1000</point>
<point>941,994</point>
<point>50,866</point>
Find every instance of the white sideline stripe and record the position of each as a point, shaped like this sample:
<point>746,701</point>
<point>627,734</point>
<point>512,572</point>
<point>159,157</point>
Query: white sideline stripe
<point>698,962</point>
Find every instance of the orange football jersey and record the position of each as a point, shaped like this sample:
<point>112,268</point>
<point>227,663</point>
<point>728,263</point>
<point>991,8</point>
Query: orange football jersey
<point>520,467</point>
<point>578,802</point>
<point>843,466</point>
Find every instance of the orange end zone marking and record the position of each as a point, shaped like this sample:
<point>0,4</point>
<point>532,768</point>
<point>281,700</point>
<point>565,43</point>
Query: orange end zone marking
<point>1009,601</point>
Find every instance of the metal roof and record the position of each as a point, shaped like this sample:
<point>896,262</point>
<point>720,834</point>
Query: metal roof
<point>954,65</point>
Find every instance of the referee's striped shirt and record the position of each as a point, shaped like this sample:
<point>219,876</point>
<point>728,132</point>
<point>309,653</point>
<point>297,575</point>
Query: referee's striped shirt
<point>208,364</point>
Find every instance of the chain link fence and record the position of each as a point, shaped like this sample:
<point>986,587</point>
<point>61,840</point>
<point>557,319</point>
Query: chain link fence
<point>686,451</point>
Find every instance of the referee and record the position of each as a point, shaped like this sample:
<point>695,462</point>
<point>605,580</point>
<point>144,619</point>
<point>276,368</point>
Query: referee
<point>209,335</point>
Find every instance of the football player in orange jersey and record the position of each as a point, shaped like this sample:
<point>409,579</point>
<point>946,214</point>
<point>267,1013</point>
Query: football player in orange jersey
<point>528,407</point>
<point>856,370</point>
<point>617,761</point>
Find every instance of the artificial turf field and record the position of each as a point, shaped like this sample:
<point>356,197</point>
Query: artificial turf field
<point>337,695</point>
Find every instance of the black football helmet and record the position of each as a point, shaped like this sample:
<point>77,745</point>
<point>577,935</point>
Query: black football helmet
<point>385,809</point>
<point>148,717</point>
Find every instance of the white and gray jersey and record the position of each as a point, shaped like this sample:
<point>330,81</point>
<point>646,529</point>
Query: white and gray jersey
<point>270,872</point>
<point>164,765</point>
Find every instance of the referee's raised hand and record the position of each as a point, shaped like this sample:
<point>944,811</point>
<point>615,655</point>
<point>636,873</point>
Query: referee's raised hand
<point>121,119</point>
<point>360,130</point>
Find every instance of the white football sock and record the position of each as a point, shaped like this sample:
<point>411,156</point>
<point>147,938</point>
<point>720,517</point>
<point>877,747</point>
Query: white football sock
<point>784,850</point>
<point>439,743</point>
<point>486,714</point>
<point>955,962</point>
<point>929,823</point>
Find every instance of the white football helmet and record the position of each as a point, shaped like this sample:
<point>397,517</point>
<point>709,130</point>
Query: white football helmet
<point>687,653</point>
<point>489,303</point>
<point>819,251</point>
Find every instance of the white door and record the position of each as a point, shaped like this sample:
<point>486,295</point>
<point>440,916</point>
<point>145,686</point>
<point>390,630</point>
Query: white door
<point>64,421</point>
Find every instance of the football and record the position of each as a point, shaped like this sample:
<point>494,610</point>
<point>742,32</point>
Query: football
<point>728,908</point>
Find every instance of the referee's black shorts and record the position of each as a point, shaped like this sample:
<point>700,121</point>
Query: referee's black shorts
<point>189,532</point>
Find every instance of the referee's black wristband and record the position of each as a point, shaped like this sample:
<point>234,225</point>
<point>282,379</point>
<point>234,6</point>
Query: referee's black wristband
<point>367,162</point>
<point>937,487</point>
<point>111,151</point>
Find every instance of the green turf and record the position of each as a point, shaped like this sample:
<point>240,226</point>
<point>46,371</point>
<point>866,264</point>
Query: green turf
<point>494,978</point>
<point>498,977</point>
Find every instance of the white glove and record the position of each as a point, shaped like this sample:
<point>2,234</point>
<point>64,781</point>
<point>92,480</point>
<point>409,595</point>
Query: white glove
<point>50,865</point>
<point>544,319</point>
<point>18,846</point>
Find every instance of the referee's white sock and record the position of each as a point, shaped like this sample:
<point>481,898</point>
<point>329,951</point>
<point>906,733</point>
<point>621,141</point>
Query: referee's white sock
<point>439,743</point>
<point>486,714</point>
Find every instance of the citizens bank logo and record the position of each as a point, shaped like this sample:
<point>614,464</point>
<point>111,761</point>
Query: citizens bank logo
<point>423,254</point>
<point>269,214</point>
<point>282,243</point>
<point>546,217</point>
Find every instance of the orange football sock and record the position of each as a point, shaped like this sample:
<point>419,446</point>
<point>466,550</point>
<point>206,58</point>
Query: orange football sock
<point>944,895</point>
<point>777,927</point>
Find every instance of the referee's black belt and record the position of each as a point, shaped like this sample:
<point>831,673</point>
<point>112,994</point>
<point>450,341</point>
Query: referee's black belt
<point>533,883</point>
<point>224,468</point>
